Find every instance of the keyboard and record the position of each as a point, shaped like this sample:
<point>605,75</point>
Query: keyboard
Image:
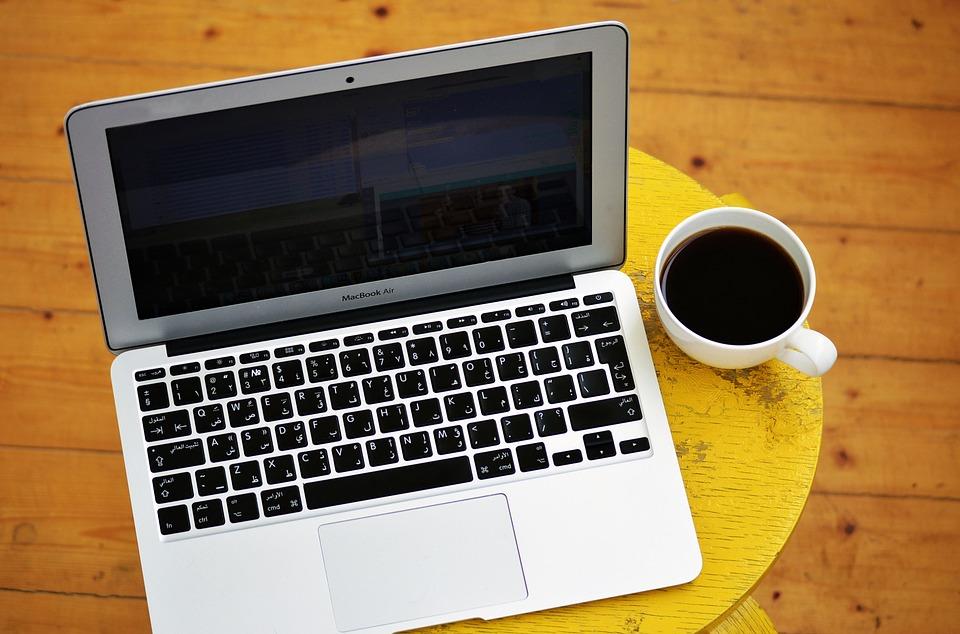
<point>260,434</point>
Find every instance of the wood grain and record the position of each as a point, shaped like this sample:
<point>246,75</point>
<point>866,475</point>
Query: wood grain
<point>871,51</point>
<point>748,618</point>
<point>42,613</point>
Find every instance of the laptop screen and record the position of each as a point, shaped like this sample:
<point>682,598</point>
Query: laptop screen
<point>364,184</point>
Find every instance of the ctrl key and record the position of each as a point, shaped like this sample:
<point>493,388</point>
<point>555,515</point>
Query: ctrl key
<point>208,513</point>
<point>174,519</point>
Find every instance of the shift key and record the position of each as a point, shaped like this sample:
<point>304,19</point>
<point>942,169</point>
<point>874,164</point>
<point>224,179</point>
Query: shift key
<point>609,411</point>
<point>175,455</point>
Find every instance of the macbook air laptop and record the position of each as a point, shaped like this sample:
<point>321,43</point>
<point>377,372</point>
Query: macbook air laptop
<point>376,368</point>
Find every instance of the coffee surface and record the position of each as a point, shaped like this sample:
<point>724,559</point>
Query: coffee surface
<point>733,285</point>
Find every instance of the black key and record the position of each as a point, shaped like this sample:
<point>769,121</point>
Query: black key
<point>153,396</point>
<point>344,395</point>
<point>411,383</point>
<point>208,513</point>
<point>257,441</point>
<point>288,373</point>
<point>634,445</point>
<point>511,366</point>
<point>279,469</point>
<point>444,378</point>
<point>207,418</point>
<point>493,400</point>
<point>166,425</point>
<point>426,412</point>
<point>175,455</point>
<point>459,406</point>
<point>172,488</point>
<point>253,357</point>
<point>488,339</point>
<point>609,411</point>
<point>595,321</point>
<point>449,439</point>
<point>560,389</point>
<point>478,372</point>
<point>433,326</point>
<point>381,451</point>
<point>526,395</point>
<point>421,351</point>
<point>243,508</point>
<point>245,475</point>
<point>554,328</point>
<point>416,445</point>
<point>593,383</point>
<point>289,351</point>
<point>276,406</point>
<point>516,428</point>
<point>282,501</point>
<point>313,464</point>
<point>291,436</point>
<point>347,457</point>
<point>597,298</point>
<point>599,445</point>
<point>220,385</point>
<point>223,447</point>
<point>578,355</point>
<point>387,482</point>
<point>392,418</point>
<point>545,361</point>
<point>310,401</point>
<point>219,363</point>
<point>184,368</point>
<point>564,304</point>
<point>324,430</point>
<point>322,368</point>
<point>243,412</point>
<point>326,344</point>
<point>254,379</point>
<point>483,433</point>
<point>377,389</point>
<point>211,481</point>
<point>149,375</point>
<point>388,357</point>
<point>392,333</point>
<point>562,458</point>
<point>495,315</point>
<point>526,311</point>
<point>461,322</point>
<point>532,457</point>
<point>550,422</point>
<point>358,424</point>
<point>494,464</point>
<point>455,345</point>
<point>612,351</point>
<point>173,519</point>
<point>521,334</point>
<point>358,340</point>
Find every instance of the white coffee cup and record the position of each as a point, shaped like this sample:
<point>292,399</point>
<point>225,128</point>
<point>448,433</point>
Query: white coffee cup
<point>804,349</point>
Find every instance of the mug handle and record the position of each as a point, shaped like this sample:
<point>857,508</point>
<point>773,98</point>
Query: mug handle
<point>809,351</point>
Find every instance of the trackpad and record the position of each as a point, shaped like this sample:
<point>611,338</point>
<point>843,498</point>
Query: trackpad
<point>423,562</point>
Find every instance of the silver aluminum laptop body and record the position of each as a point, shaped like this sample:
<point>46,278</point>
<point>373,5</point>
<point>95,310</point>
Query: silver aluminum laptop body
<point>272,255</point>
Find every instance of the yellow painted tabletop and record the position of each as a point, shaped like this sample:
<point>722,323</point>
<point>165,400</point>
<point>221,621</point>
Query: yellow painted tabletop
<point>748,442</point>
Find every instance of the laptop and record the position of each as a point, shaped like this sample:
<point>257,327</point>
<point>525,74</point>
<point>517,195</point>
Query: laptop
<point>376,367</point>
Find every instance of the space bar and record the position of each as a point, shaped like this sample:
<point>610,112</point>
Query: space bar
<point>386,482</point>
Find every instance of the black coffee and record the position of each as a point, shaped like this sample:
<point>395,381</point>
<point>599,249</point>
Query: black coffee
<point>733,285</point>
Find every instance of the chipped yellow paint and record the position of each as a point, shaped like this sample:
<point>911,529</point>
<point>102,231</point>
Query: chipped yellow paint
<point>748,442</point>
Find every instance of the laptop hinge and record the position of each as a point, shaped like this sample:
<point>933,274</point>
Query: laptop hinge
<point>367,315</point>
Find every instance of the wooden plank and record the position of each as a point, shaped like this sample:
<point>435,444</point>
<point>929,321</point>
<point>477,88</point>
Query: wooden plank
<point>41,613</point>
<point>858,564</point>
<point>838,166</point>
<point>876,51</point>
<point>66,524</point>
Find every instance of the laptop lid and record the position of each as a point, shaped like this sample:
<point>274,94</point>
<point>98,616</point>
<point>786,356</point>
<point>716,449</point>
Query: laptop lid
<point>270,198</point>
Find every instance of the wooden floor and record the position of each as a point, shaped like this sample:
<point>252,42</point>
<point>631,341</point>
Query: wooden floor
<point>840,117</point>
